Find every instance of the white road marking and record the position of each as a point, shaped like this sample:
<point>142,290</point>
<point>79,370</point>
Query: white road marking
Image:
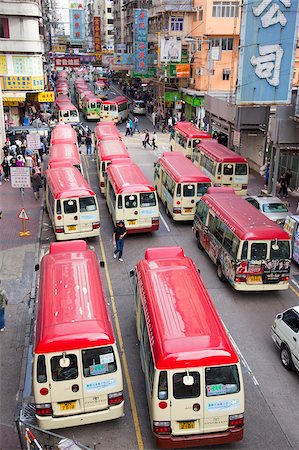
<point>295,283</point>
<point>164,221</point>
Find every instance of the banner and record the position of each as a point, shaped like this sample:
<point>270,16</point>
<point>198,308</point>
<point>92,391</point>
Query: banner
<point>97,34</point>
<point>140,40</point>
<point>171,49</point>
<point>267,52</point>
<point>183,71</point>
<point>123,59</point>
<point>67,62</point>
<point>77,24</point>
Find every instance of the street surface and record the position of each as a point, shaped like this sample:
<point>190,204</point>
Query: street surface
<point>271,393</point>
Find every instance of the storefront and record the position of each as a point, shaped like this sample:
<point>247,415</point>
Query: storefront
<point>194,105</point>
<point>13,103</point>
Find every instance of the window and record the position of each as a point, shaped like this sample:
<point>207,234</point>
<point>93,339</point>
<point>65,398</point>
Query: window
<point>228,169</point>
<point>60,373</point>
<point>98,361</point>
<point>41,369</point>
<point>225,76</point>
<point>274,208</point>
<point>110,21</point>
<point>202,212</point>
<point>208,164</point>
<point>106,108</point>
<point>70,206</point>
<point>219,229</point>
<point>65,113</point>
<point>188,190</point>
<point>119,202</point>
<point>176,23</point>
<point>244,250</point>
<point>225,9</point>
<point>283,251</point>
<point>147,199</point>
<point>73,113</point>
<point>4,28</point>
<point>157,170</point>
<point>163,386</point>
<point>202,188</point>
<point>241,169</point>
<point>58,207</point>
<point>231,243</point>
<point>109,10</point>
<point>87,204</point>
<point>179,190</point>
<point>222,380</point>
<point>181,390</point>
<point>92,105</point>
<point>258,251</point>
<point>131,201</point>
<point>291,319</point>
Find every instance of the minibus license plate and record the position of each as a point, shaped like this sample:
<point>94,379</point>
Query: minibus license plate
<point>131,222</point>
<point>252,279</point>
<point>67,405</point>
<point>186,425</point>
<point>71,227</point>
<point>188,210</point>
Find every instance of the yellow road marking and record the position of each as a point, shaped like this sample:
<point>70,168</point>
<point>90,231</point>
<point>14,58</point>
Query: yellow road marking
<point>121,344</point>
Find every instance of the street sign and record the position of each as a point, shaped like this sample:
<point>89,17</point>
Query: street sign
<point>23,215</point>
<point>33,141</point>
<point>20,177</point>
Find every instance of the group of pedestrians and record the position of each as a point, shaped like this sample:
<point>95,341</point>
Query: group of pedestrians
<point>132,126</point>
<point>146,140</point>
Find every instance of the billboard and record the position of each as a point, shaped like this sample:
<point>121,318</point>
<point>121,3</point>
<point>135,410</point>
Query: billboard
<point>171,49</point>
<point>123,59</point>
<point>77,25</point>
<point>140,40</point>
<point>183,70</point>
<point>97,34</point>
<point>267,51</point>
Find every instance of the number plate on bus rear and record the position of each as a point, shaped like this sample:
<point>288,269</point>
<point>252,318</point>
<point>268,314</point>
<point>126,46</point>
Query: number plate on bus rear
<point>252,279</point>
<point>131,222</point>
<point>67,405</point>
<point>71,227</point>
<point>186,425</point>
<point>188,210</point>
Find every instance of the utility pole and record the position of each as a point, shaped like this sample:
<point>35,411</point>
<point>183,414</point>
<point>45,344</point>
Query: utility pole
<point>2,125</point>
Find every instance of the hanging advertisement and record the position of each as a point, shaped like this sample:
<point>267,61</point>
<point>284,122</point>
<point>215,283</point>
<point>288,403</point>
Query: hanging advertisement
<point>77,25</point>
<point>140,40</point>
<point>183,70</point>
<point>123,59</point>
<point>267,51</point>
<point>97,34</point>
<point>67,61</point>
<point>171,49</point>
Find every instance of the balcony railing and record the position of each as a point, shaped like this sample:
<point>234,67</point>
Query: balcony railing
<point>173,5</point>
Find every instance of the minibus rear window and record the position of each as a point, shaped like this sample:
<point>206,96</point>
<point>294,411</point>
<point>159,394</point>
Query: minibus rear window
<point>147,199</point>
<point>282,252</point>
<point>181,389</point>
<point>87,204</point>
<point>58,207</point>
<point>222,380</point>
<point>60,373</point>
<point>41,369</point>
<point>73,113</point>
<point>188,190</point>
<point>98,361</point>
<point>241,169</point>
<point>69,206</point>
<point>258,251</point>
<point>131,201</point>
<point>202,188</point>
<point>228,169</point>
<point>163,386</point>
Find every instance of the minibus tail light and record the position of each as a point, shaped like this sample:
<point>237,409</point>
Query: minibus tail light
<point>240,278</point>
<point>161,428</point>
<point>244,186</point>
<point>177,210</point>
<point>95,225</point>
<point>285,278</point>
<point>102,184</point>
<point>115,398</point>
<point>236,421</point>
<point>43,409</point>
<point>155,220</point>
<point>59,229</point>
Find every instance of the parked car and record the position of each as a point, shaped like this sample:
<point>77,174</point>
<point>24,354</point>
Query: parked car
<point>272,207</point>
<point>285,334</point>
<point>138,107</point>
<point>14,133</point>
<point>291,226</point>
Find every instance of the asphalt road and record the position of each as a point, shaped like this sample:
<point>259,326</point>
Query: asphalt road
<point>272,395</point>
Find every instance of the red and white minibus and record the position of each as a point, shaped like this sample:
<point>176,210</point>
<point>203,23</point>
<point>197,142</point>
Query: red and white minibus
<point>179,184</point>
<point>66,112</point>
<point>77,377</point>
<point>106,130</point>
<point>64,155</point>
<point>62,99</point>
<point>63,134</point>
<point>186,137</point>
<point>107,151</point>
<point>116,110</point>
<point>250,251</point>
<point>72,205</point>
<point>224,167</point>
<point>100,89</point>
<point>131,197</point>
<point>91,105</point>
<point>193,378</point>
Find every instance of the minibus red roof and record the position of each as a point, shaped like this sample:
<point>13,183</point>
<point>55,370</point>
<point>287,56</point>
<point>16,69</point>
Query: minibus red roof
<point>62,99</point>
<point>109,149</point>
<point>184,328</point>
<point>247,222</point>
<point>181,169</point>
<point>100,83</point>
<point>67,107</point>
<point>91,97</point>
<point>219,152</point>
<point>67,182</point>
<point>127,177</point>
<point>64,151</point>
<point>72,310</point>
<point>63,133</point>
<point>106,129</point>
<point>116,100</point>
<point>192,131</point>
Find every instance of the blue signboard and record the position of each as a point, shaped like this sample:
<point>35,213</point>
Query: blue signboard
<point>123,59</point>
<point>140,40</point>
<point>267,51</point>
<point>77,25</point>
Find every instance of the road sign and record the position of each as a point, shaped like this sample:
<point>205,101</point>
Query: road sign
<point>33,141</point>
<point>23,215</point>
<point>20,177</point>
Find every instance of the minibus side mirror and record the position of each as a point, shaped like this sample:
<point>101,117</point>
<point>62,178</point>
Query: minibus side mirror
<point>279,316</point>
<point>132,273</point>
<point>155,164</point>
<point>36,268</point>
<point>80,152</point>
<point>198,269</point>
<point>102,263</point>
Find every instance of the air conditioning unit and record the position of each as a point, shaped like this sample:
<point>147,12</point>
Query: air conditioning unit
<point>197,72</point>
<point>191,80</point>
<point>194,8</point>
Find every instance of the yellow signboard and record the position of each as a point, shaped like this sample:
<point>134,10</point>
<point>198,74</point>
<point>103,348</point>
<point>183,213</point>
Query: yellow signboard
<point>59,48</point>
<point>46,97</point>
<point>3,65</point>
<point>25,83</point>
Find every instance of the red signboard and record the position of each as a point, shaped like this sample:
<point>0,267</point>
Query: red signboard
<point>67,61</point>
<point>97,33</point>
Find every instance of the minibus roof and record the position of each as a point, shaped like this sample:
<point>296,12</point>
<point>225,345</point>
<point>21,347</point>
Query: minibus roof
<point>64,151</point>
<point>91,97</point>
<point>192,131</point>
<point>67,107</point>
<point>112,148</point>
<point>181,169</point>
<point>67,182</point>
<point>184,328</point>
<point>106,129</point>
<point>220,153</point>
<point>62,99</point>
<point>247,222</point>
<point>72,309</point>
<point>127,177</point>
<point>116,100</point>
<point>63,132</point>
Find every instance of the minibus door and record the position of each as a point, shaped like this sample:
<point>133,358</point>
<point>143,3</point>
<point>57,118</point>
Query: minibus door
<point>227,174</point>
<point>70,215</point>
<point>187,403</point>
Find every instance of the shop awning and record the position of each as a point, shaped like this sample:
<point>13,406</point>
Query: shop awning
<point>16,96</point>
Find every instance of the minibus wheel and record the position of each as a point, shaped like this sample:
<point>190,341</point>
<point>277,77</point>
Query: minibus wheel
<point>219,272</point>
<point>167,211</point>
<point>198,242</point>
<point>286,358</point>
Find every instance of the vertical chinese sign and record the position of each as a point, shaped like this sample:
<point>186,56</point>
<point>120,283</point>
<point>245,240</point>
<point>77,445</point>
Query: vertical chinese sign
<point>140,40</point>
<point>267,51</point>
<point>77,25</point>
<point>97,34</point>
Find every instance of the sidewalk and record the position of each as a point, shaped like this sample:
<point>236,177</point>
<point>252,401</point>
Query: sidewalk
<point>17,259</point>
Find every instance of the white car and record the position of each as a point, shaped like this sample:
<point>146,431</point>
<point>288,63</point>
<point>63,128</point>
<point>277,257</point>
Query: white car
<point>285,334</point>
<point>272,207</point>
<point>139,107</point>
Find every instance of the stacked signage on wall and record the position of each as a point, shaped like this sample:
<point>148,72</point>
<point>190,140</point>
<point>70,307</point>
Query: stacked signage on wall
<point>77,22</point>
<point>140,40</point>
<point>97,34</point>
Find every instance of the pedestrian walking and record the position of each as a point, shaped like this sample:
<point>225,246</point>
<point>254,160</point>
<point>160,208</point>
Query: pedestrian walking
<point>79,137</point>
<point>36,183</point>
<point>128,131</point>
<point>1,175</point>
<point>29,162</point>
<point>3,304</point>
<point>267,173</point>
<point>20,161</point>
<point>163,123</point>
<point>288,178</point>
<point>120,232</point>
<point>154,119</point>
<point>135,125</point>
<point>143,136</point>
<point>131,126</point>
<point>88,142</point>
<point>154,141</point>
<point>6,168</point>
<point>147,139</point>
<point>283,185</point>
<point>169,122</point>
